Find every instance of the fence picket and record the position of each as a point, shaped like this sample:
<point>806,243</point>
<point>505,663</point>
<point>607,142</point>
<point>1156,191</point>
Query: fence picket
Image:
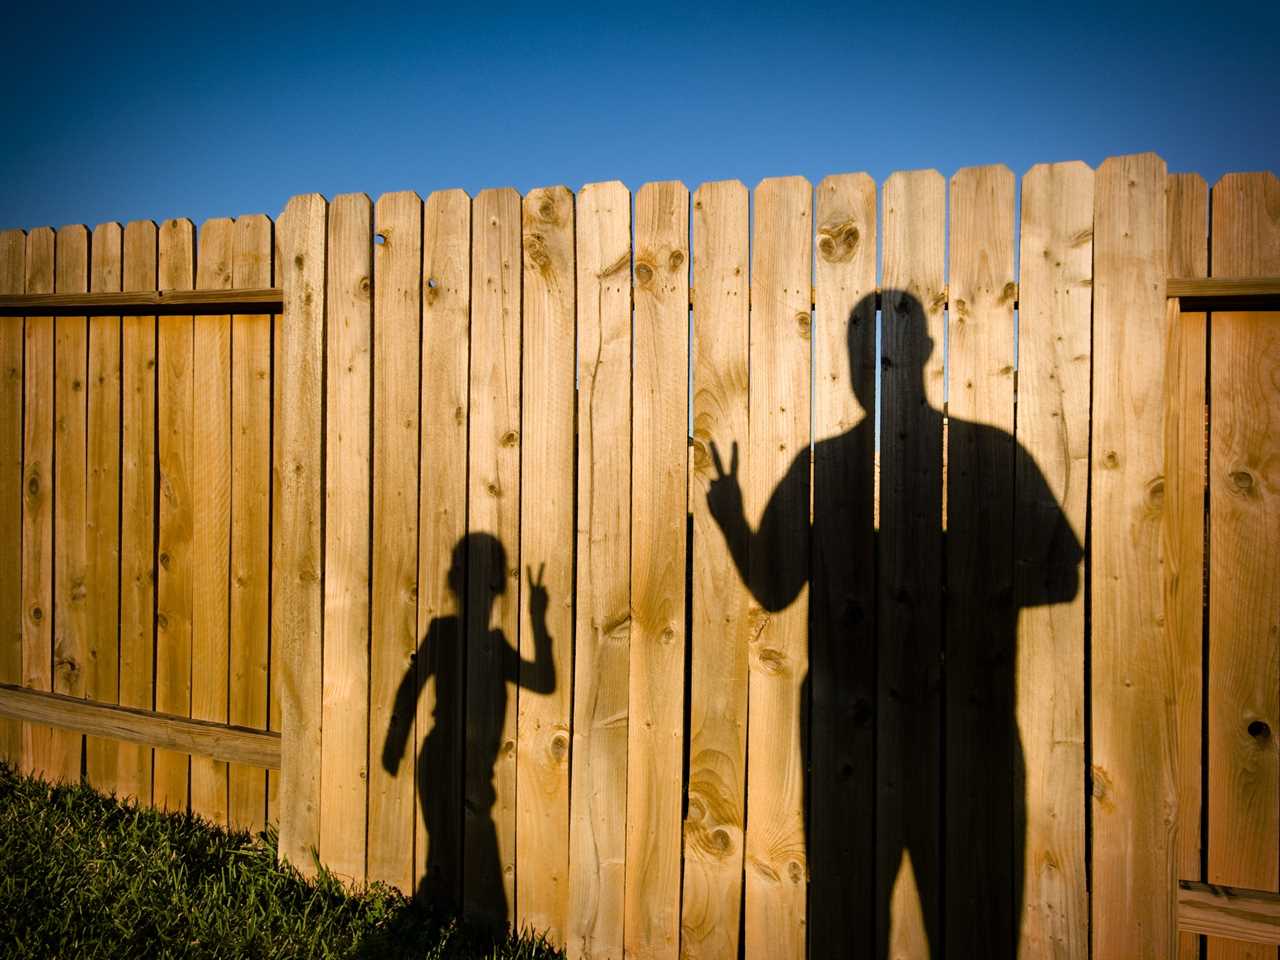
<point>348,777</point>
<point>251,267</point>
<point>13,244</point>
<point>597,808</point>
<point>102,666</point>
<point>1054,333</point>
<point>211,515</point>
<point>546,538</point>
<point>660,492</point>
<point>137,507</point>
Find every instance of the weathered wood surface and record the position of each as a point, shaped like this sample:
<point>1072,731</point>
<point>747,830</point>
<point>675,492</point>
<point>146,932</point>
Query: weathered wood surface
<point>1134,778</point>
<point>216,741</point>
<point>345,704</point>
<point>720,603</point>
<point>597,809</point>
<point>13,250</point>
<point>1244,565</point>
<point>546,527</point>
<point>1054,335</point>
<point>221,301</point>
<point>1231,913</point>
<point>660,489</point>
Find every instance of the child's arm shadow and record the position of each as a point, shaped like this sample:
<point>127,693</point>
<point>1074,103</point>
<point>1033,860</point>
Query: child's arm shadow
<point>539,674</point>
<point>401,727</point>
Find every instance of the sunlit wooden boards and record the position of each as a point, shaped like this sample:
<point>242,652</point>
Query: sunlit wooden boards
<point>597,810</point>
<point>720,603</point>
<point>659,492</point>
<point>297,551</point>
<point>247,696</point>
<point>70,546</point>
<point>493,575</point>
<point>1185,446</point>
<point>102,507</point>
<point>345,702</point>
<point>777,504</point>
<point>442,511</point>
<point>211,513</point>
<point>981,746</point>
<point>137,506</point>
<point>546,535</point>
<point>1051,486</point>
<point>909,625</point>
<point>393,591</point>
<point>1134,721</point>
<point>13,249</point>
<point>37,501</point>
<point>1244,566</point>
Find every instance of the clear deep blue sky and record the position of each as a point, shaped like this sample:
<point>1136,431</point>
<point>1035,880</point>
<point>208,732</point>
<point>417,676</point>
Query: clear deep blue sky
<point>116,114</point>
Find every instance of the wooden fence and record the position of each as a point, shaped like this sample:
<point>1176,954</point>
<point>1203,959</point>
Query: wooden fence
<point>560,532</point>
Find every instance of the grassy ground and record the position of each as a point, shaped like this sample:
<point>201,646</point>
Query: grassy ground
<point>82,875</point>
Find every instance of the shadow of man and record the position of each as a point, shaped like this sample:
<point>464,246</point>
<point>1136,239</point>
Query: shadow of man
<point>900,777</point>
<point>456,764</point>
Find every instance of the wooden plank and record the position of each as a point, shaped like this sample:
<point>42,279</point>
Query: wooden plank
<point>37,503</point>
<point>840,835</point>
<point>442,527</point>
<point>598,778</point>
<point>70,543</point>
<point>1188,283</point>
<point>344,799</point>
<point>297,556</point>
<point>1229,912</point>
<point>1051,489</point>
<point>221,302</point>
<point>137,506</point>
<point>250,613</point>
<point>397,288</point>
<point>1134,781</point>
<point>1185,440</point>
<point>546,530</point>
<point>909,627</point>
<point>175,402</point>
<point>102,520</point>
<point>1244,568</point>
<point>982,747</point>
<point>217,741</point>
<point>493,562</point>
<point>276,653</point>
<point>13,248</point>
<point>211,517</point>
<point>722,623</point>
<point>779,555</point>
<point>660,492</point>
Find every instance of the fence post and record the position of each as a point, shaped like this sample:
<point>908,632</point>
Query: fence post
<point>297,523</point>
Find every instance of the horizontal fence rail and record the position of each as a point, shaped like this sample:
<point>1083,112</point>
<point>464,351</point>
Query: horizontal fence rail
<point>657,571</point>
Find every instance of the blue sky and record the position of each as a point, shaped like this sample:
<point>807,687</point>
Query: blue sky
<point>117,113</point>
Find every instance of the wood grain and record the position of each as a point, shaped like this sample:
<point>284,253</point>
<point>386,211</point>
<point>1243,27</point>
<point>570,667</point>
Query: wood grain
<point>13,248</point>
<point>247,698</point>
<point>778,657</point>
<point>137,506</point>
<point>1229,912</point>
<point>102,516</point>
<point>1244,567</point>
<point>442,526</point>
<point>211,516</point>
<point>1185,445</point>
<point>1134,779</point>
<point>546,533</point>
<point>185,301</point>
<point>721,609</point>
<point>344,798</point>
<point>1054,334</point>
<point>397,291</point>
<point>660,491</point>
<point>493,559</point>
<point>297,551</point>
<point>175,402</point>
<point>597,809</point>
<point>840,837</point>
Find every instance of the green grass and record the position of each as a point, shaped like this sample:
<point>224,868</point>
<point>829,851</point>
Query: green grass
<point>83,875</point>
